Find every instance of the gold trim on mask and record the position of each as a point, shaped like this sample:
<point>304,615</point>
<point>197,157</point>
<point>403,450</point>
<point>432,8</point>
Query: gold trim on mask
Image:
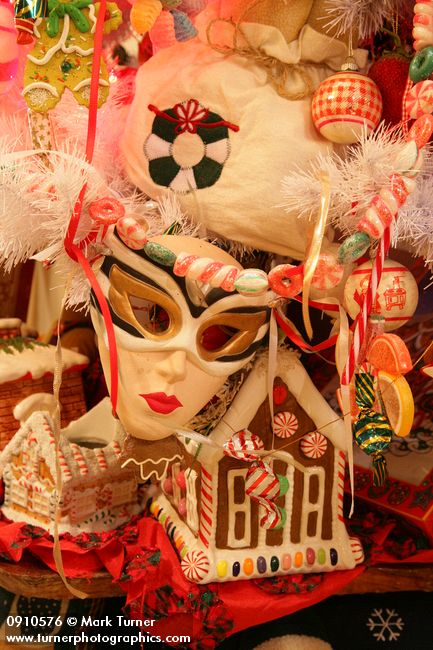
<point>122,286</point>
<point>248,326</point>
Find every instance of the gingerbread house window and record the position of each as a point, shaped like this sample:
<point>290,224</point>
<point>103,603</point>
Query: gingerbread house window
<point>314,495</point>
<point>239,509</point>
<point>41,504</point>
<point>44,472</point>
<point>83,505</point>
<point>122,493</point>
<point>19,494</point>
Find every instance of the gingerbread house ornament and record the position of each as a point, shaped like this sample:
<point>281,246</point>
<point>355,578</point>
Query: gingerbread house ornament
<point>96,493</point>
<point>27,368</point>
<point>204,505</point>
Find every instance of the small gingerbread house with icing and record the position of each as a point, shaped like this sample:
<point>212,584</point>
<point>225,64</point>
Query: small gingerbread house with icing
<point>26,368</point>
<point>215,525</point>
<point>96,493</point>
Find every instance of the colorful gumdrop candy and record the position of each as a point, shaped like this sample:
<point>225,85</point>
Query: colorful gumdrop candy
<point>389,352</point>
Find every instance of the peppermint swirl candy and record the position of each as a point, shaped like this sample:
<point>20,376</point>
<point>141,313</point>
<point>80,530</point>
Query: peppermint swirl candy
<point>314,445</point>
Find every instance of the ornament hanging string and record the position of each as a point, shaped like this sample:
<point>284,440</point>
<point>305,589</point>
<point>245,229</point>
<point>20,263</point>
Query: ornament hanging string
<point>314,248</point>
<point>74,250</point>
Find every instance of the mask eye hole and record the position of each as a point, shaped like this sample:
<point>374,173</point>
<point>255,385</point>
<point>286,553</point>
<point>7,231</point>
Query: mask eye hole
<point>216,336</point>
<point>151,316</point>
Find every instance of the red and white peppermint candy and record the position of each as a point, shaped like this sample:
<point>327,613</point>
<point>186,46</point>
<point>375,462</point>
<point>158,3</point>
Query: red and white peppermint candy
<point>328,272</point>
<point>195,566</point>
<point>262,482</point>
<point>314,445</point>
<point>419,99</point>
<point>132,232</point>
<point>285,424</point>
<point>241,444</point>
<point>206,270</point>
<point>272,516</point>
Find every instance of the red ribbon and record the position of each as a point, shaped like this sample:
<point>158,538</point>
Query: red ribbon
<point>293,334</point>
<point>190,116</point>
<point>74,250</point>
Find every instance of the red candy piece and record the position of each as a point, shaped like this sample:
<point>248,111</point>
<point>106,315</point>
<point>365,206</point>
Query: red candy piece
<point>286,280</point>
<point>421,130</point>
<point>279,394</point>
<point>181,480</point>
<point>106,211</point>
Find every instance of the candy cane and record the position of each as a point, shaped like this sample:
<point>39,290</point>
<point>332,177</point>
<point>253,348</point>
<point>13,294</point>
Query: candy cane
<point>206,270</point>
<point>262,484</point>
<point>423,25</point>
<point>392,197</point>
<point>361,321</point>
<point>385,205</point>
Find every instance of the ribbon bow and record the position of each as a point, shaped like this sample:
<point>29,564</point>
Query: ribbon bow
<point>190,115</point>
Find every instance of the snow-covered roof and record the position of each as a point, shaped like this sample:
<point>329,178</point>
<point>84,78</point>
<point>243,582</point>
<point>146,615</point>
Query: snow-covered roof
<point>76,462</point>
<point>10,323</point>
<point>255,390</point>
<point>35,362</point>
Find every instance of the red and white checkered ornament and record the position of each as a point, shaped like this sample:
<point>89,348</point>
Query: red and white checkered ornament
<point>343,104</point>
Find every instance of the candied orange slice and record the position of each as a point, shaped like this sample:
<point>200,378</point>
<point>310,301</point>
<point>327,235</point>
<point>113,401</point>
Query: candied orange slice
<point>389,352</point>
<point>398,402</point>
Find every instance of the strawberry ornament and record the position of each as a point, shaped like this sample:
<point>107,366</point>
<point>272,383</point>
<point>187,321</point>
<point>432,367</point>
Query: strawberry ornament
<point>390,73</point>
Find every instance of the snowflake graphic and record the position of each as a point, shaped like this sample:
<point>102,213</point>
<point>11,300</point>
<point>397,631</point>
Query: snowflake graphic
<point>380,624</point>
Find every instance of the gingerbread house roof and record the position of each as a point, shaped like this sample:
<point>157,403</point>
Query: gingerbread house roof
<point>76,462</point>
<point>34,360</point>
<point>255,391</point>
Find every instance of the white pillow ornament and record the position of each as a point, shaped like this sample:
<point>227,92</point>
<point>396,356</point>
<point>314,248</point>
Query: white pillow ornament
<point>219,120</point>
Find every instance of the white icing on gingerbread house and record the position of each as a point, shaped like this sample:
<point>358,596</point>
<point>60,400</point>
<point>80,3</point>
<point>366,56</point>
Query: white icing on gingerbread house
<point>96,493</point>
<point>213,522</point>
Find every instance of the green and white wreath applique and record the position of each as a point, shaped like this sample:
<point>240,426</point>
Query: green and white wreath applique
<point>188,146</point>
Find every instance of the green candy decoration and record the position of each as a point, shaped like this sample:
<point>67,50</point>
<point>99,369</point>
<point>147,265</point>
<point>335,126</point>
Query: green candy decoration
<point>421,65</point>
<point>160,254</point>
<point>57,10</point>
<point>284,484</point>
<point>353,247</point>
<point>372,430</point>
<point>283,518</point>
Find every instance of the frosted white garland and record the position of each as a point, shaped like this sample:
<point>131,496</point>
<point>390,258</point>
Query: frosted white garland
<point>366,17</point>
<point>38,192</point>
<point>355,180</point>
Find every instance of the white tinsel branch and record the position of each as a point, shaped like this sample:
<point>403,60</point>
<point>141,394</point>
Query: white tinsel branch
<point>355,181</point>
<point>364,17</point>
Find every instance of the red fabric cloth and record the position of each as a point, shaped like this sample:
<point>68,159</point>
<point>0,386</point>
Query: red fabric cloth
<point>143,562</point>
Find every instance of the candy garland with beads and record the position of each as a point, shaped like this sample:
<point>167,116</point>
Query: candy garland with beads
<point>419,98</point>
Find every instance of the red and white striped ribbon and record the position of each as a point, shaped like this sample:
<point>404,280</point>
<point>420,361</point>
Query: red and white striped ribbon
<point>361,321</point>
